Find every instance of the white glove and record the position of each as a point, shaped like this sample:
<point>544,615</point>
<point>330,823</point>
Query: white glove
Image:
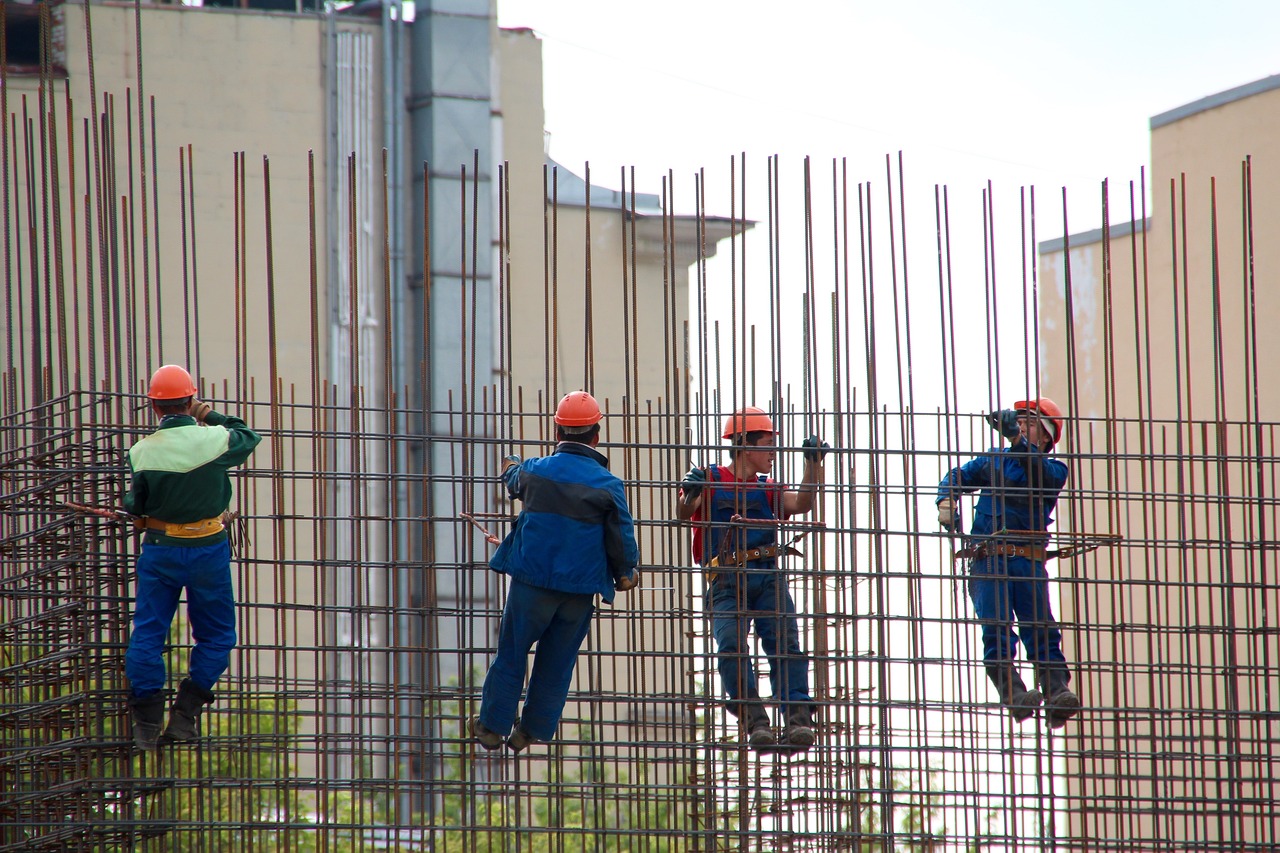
<point>947,514</point>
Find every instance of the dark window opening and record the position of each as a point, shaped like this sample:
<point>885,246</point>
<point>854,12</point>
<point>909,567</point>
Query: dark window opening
<point>24,42</point>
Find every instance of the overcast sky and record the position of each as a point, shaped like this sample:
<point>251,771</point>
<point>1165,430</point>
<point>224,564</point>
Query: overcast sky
<point>1051,94</point>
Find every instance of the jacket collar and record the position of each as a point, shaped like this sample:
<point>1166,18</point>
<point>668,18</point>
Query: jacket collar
<point>579,449</point>
<point>176,421</point>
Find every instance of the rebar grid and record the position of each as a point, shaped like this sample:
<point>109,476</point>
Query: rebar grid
<point>366,611</point>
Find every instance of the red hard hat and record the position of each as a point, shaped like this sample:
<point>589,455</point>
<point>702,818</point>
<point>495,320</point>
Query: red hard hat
<point>747,419</point>
<point>577,409</point>
<point>1047,410</point>
<point>171,382</point>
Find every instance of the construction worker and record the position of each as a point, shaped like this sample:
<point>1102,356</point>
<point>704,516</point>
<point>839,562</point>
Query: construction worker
<point>742,564</point>
<point>179,488</point>
<point>1018,489</point>
<point>573,540</point>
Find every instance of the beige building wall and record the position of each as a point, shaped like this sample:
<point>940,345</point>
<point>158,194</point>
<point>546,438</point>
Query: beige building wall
<point>224,81</point>
<point>1173,410</point>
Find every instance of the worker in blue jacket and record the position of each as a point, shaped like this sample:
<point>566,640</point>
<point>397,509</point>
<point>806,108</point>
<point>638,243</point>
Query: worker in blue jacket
<point>179,488</point>
<point>1018,490</point>
<point>573,540</point>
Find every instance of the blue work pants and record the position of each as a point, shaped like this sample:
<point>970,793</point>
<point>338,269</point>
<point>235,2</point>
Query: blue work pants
<point>204,571</point>
<point>1005,589</point>
<point>737,600</point>
<point>558,623</point>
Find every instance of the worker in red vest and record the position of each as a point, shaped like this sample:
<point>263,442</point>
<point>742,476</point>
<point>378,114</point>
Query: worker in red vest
<point>747,584</point>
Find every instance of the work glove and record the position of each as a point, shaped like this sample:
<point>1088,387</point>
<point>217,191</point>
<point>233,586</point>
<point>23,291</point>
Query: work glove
<point>510,475</point>
<point>1005,422</point>
<point>694,482</point>
<point>199,410</point>
<point>948,515</point>
<point>626,582</point>
<point>814,449</point>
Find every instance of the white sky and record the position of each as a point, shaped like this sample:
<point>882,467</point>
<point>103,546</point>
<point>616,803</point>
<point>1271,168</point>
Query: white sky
<point>1051,94</point>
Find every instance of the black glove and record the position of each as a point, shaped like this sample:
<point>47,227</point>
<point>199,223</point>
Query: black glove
<point>815,449</point>
<point>693,482</point>
<point>1005,422</point>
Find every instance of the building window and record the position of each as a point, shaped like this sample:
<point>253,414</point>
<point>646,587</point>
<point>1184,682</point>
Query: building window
<point>23,41</point>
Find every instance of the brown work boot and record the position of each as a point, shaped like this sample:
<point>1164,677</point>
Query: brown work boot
<point>759,731</point>
<point>520,739</point>
<point>799,731</point>
<point>485,736</point>
<point>1014,695</point>
<point>1061,703</point>
<point>1061,707</point>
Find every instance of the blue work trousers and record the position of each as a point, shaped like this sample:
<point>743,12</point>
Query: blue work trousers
<point>204,571</point>
<point>737,600</point>
<point>1005,589</point>
<point>558,623</point>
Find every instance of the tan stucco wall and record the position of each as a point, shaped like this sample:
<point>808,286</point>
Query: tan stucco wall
<point>1168,686</point>
<point>222,82</point>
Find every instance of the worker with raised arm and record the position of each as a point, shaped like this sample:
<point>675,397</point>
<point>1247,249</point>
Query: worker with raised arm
<point>747,584</point>
<point>1018,490</point>
<point>573,540</point>
<point>179,486</point>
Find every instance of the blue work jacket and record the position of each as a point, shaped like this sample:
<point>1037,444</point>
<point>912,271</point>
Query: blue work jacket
<point>1019,488</point>
<point>575,532</point>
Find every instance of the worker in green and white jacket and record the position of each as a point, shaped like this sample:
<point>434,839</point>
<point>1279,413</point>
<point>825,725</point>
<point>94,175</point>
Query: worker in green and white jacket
<point>179,488</point>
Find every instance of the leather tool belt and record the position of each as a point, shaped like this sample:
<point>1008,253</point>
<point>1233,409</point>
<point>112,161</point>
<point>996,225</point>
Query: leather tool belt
<point>185,530</point>
<point>993,549</point>
<point>734,559</point>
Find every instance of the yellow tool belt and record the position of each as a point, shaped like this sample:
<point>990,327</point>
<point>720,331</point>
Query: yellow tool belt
<point>978,552</point>
<point>185,530</point>
<point>735,559</point>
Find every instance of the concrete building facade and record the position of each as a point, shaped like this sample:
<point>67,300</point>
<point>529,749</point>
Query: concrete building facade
<point>1155,334</point>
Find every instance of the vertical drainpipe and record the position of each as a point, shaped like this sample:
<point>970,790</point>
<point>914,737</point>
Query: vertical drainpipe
<point>450,114</point>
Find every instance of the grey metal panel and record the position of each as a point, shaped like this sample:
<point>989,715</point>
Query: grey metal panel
<point>1085,238</point>
<point>455,43</point>
<point>454,7</point>
<point>454,139</point>
<point>446,229</point>
<point>571,189</point>
<point>1239,93</point>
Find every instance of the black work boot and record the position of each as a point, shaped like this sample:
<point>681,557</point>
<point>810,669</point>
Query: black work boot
<point>147,714</point>
<point>184,716</point>
<point>799,731</point>
<point>1061,703</point>
<point>1014,695</point>
<point>756,721</point>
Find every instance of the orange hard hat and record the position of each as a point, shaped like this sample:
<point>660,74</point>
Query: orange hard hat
<point>171,382</point>
<point>1048,411</point>
<point>747,419</point>
<point>577,409</point>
